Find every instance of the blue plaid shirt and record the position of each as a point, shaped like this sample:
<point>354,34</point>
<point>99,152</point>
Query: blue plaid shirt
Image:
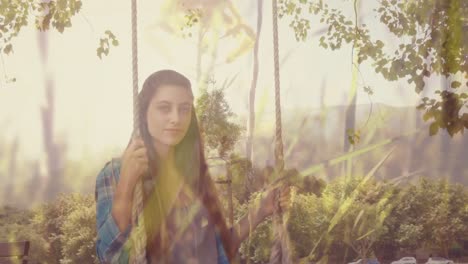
<point>110,244</point>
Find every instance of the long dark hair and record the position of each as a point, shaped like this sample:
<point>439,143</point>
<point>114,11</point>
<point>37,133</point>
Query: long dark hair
<point>189,157</point>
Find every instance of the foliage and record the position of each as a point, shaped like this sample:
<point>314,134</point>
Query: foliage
<point>446,218</point>
<point>16,14</point>
<point>430,43</point>
<point>217,129</point>
<point>239,168</point>
<point>379,217</point>
<point>17,225</point>
<point>306,223</point>
<point>428,214</point>
<point>314,185</point>
<point>257,247</point>
<point>356,209</point>
<point>445,113</point>
<point>62,231</point>
<point>104,45</point>
<point>192,17</point>
<point>79,244</point>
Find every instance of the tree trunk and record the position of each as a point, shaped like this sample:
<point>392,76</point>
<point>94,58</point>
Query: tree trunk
<point>251,125</point>
<point>253,86</point>
<point>54,151</point>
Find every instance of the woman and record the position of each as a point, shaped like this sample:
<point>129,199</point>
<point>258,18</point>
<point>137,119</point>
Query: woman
<point>182,215</point>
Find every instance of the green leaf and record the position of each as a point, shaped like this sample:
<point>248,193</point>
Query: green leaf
<point>454,128</point>
<point>428,115</point>
<point>8,49</point>
<point>433,129</point>
<point>455,84</point>
<point>99,52</point>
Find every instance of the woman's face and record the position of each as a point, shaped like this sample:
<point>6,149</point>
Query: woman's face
<point>169,114</point>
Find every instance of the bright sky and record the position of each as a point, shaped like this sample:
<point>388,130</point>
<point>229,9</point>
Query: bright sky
<point>93,96</point>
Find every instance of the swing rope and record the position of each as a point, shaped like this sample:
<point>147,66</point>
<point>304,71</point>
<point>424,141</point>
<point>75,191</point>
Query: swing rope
<point>280,252</point>
<point>138,235</point>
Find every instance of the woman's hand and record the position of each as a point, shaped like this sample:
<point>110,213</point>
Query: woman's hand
<point>134,162</point>
<point>280,196</point>
<point>257,213</point>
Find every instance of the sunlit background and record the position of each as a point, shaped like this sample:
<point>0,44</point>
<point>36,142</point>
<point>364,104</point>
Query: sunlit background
<point>92,97</point>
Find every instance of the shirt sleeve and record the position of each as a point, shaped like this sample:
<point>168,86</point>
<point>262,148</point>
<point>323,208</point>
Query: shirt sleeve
<point>110,241</point>
<point>222,257</point>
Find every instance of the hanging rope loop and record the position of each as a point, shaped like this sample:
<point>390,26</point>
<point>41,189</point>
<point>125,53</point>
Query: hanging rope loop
<point>280,252</point>
<point>138,236</point>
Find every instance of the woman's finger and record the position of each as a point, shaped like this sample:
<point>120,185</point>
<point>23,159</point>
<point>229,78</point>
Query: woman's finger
<point>136,143</point>
<point>140,152</point>
<point>142,164</point>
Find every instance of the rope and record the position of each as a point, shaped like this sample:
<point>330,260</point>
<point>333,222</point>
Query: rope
<point>136,118</point>
<point>138,235</point>
<point>279,139</point>
<point>280,252</point>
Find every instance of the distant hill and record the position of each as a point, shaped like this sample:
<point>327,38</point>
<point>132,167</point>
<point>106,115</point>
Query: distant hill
<point>314,135</point>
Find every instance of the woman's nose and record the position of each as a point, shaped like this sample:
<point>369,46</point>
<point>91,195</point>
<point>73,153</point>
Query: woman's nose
<point>175,116</point>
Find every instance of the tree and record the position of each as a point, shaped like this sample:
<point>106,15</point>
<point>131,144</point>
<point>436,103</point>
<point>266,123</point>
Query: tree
<point>445,219</point>
<point>57,223</point>
<point>256,247</point>
<point>356,209</point>
<point>17,225</point>
<point>79,244</point>
<point>405,225</point>
<point>430,214</point>
<point>15,15</point>
<point>306,223</point>
<point>219,132</point>
<point>61,231</point>
<point>430,43</point>
<point>253,86</point>
<point>217,129</point>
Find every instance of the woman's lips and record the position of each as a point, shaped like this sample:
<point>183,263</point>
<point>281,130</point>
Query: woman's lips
<point>172,130</point>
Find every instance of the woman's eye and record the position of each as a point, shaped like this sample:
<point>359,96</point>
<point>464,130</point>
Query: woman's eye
<point>185,110</point>
<point>164,108</point>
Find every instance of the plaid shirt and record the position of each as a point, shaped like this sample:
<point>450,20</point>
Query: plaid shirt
<point>111,243</point>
